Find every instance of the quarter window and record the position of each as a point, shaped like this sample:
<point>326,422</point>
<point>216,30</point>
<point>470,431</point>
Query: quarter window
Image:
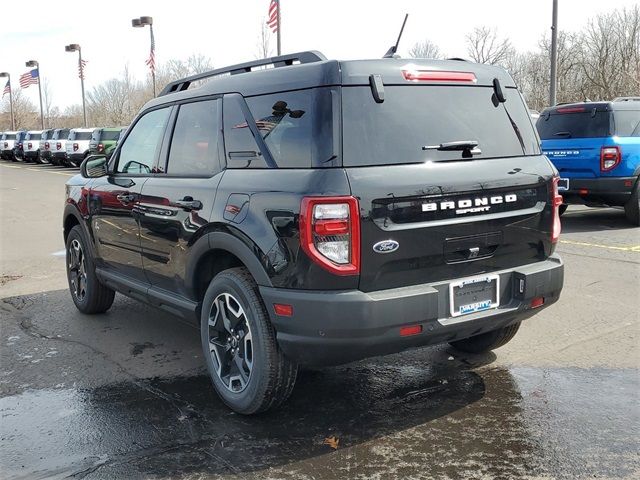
<point>194,145</point>
<point>142,145</point>
<point>242,149</point>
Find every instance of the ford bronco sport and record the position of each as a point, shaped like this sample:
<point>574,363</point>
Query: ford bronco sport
<point>321,212</point>
<point>596,148</point>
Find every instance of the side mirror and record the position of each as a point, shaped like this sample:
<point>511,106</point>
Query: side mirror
<point>94,166</point>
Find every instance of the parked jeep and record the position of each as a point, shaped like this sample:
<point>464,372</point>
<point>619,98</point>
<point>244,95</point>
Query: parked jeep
<point>58,146</point>
<point>45,146</point>
<point>31,146</point>
<point>321,212</point>
<point>77,145</point>
<point>596,148</point>
<point>103,140</point>
<point>6,145</point>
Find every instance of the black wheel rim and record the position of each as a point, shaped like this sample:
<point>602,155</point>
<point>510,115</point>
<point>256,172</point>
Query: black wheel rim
<point>77,270</point>
<point>230,342</point>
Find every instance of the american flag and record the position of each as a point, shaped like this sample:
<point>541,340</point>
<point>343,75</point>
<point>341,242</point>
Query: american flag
<point>81,65</point>
<point>7,89</point>
<point>151,61</point>
<point>29,78</point>
<point>272,21</point>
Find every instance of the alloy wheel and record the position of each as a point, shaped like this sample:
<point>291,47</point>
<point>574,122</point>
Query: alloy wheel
<point>77,270</point>
<point>230,342</point>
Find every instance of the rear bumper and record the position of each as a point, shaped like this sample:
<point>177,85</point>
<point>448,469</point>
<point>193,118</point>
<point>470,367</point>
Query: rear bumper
<point>61,155</point>
<point>76,156</point>
<point>45,154</point>
<point>31,154</point>
<point>614,191</point>
<point>330,328</point>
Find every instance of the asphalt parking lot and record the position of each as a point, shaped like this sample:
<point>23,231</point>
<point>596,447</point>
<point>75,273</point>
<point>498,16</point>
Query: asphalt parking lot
<point>125,394</point>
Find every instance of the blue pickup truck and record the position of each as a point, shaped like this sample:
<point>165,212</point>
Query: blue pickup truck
<point>596,148</point>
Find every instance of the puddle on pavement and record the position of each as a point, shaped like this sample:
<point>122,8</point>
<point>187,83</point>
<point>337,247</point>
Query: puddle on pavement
<point>391,420</point>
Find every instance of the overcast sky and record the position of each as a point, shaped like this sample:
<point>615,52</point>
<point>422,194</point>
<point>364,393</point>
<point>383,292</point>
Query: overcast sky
<point>227,31</point>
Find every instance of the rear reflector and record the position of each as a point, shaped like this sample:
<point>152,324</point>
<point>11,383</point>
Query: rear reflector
<point>412,330</point>
<point>537,302</point>
<point>583,191</point>
<point>283,310</point>
<point>438,76</point>
<point>628,183</point>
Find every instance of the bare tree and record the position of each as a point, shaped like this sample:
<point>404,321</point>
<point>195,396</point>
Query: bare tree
<point>25,112</point>
<point>51,113</point>
<point>484,46</point>
<point>264,49</point>
<point>116,101</point>
<point>425,49</point>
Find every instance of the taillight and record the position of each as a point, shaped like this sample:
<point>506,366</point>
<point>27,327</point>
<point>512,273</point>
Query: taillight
<point>75,147</point>
<point>609,158</point>
<point>330,233</point>
<point>29,145</point>
<point>100,147</point>
<point>556,201</point>
<point>46,145</point>
<point>439,76</point>
<point>58,146</point>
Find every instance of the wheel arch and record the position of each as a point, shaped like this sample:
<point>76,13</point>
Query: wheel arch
<point>218,251</point>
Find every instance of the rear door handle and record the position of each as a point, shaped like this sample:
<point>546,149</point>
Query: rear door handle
<point>188,204</point>
<point>126,197</point>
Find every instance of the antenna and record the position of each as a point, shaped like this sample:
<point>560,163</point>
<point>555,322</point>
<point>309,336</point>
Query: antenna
<point>392,51</point>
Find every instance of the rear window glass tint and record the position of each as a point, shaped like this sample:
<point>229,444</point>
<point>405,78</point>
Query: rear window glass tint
<point>33,136</point>
<point>110,135</point>
<point>556,126</point>
<point>627,123</point>
<point>242,149</point>
<point>411,117</point>
<point>296,126</point>
<point>83,136</point>
<point>9,136</point>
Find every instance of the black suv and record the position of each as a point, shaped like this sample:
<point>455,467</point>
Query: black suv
<point>321,212</point>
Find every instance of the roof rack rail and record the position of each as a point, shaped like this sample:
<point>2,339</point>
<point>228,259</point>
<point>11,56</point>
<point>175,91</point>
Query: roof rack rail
<point>310,56</point>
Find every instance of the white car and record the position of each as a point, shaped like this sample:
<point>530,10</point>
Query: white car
<point>31,146</point>
<point>7,143</point>
<point>45,146</point>
<point>77,146</point>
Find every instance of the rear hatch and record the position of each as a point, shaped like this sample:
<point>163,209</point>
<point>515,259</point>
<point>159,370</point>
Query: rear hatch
<point>429,215</point>
<point>572,137</point>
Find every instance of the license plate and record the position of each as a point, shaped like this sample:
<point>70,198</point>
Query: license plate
<point>563,184</point>
<point>474,295</point>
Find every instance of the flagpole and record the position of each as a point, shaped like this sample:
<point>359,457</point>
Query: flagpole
<point>35,63</point>
<point>81,70</point>
<point>153,70</point>
<point>13,122</point>
<point>279,26</point>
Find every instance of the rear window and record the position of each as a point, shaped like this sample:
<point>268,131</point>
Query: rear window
<point>412,117</point>
<point>109,135</point>
<point>556,126</point>
<point>627,123</point>
<point>9,136</point>
<point>33,136</point>
<point>60,134</point>
<point>81,136</point>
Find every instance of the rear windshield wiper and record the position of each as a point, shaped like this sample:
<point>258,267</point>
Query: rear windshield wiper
<point>469,148</point>
<point>562,134</point>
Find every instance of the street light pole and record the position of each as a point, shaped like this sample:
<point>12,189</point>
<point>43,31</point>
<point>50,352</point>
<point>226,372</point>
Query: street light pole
<point>554,55</point>
<point>6,74</point>
<point>73,47</point>
<point>151,62</point>
<point>34,63</point>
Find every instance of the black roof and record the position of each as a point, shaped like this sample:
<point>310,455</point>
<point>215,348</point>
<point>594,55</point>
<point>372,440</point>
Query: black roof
<point>314,70</point>
<point>588,106</point>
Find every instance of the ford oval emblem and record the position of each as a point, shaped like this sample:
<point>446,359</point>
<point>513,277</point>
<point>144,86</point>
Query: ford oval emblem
<point>386,246</point>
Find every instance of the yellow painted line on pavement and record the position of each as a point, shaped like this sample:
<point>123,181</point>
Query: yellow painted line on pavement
<point>10,166</point>
<point>631,248</point>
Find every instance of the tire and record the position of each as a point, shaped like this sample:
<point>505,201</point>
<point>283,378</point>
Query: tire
<point>486,342</point>
<point>632,207</point>
<point>562,209</point>
<point>232,307</point>
<point>89,295</point>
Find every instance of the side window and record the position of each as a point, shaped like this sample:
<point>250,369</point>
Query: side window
<point>194,145</point>
<point>285,122</point>
<point>242,149</point>
<point>141,147</point>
